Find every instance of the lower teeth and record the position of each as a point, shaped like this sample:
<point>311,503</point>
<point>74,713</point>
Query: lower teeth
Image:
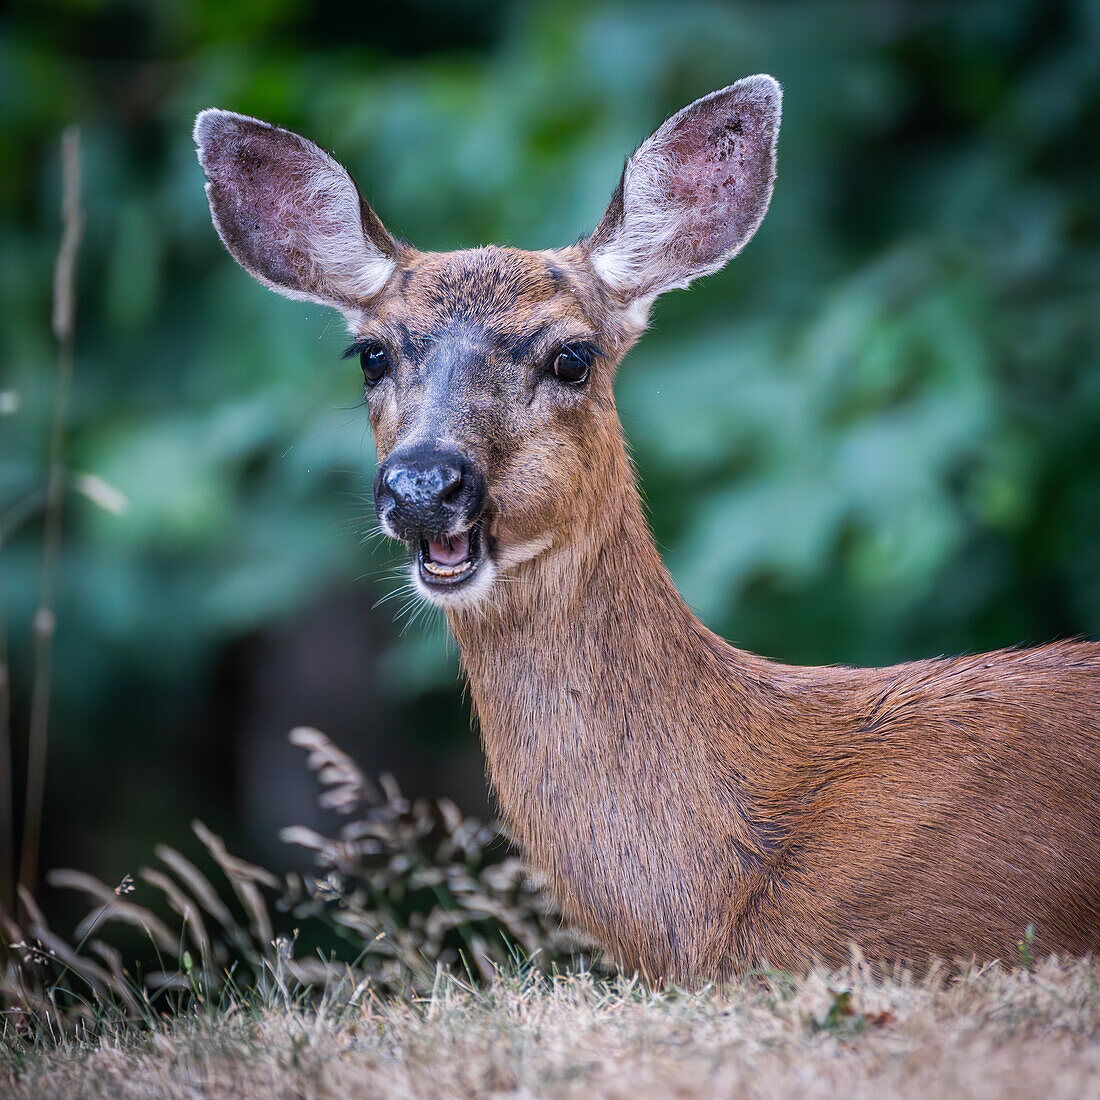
<point>446,570</point>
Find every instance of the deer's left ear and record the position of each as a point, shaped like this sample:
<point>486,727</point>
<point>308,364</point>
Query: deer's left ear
<point>692,195</point>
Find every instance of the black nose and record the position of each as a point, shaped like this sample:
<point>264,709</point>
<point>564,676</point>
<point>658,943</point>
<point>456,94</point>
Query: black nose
<point>428,492</point>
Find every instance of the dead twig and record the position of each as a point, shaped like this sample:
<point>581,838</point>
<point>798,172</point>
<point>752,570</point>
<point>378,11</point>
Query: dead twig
<point>64,313</point>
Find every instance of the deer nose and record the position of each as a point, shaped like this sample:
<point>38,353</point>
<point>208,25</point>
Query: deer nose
<point>428,493</point>
<point>417,487</point>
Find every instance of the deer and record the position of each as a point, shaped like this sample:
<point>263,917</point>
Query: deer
<point>696,809</point>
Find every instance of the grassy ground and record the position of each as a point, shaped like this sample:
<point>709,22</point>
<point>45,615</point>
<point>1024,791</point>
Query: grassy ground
<point>988,1033</point>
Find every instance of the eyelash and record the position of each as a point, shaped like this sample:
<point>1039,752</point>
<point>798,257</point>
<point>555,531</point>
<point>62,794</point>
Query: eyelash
<point>352,350</point>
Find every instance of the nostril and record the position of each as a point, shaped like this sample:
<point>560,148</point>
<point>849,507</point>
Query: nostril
<point>450,481</point>
<point>395,481</point>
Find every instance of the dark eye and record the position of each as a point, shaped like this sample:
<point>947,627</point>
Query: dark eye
<point>572,364</point>
<point>373,358</point>
<point>375,361</point>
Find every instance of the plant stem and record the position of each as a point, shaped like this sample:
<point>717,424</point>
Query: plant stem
<point>7,769</point>
<point>64,310</point>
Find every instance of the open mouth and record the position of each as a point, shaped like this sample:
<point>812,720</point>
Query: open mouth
<point>450,562</point>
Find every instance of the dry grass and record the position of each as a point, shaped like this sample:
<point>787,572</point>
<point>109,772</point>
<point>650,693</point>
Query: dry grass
<point>401,889</point>
<point>987,1033</point>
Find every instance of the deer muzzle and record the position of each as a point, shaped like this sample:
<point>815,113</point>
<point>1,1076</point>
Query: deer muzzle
<point>433,499</point>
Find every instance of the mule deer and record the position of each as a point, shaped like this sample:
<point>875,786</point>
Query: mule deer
<point>694,807</point>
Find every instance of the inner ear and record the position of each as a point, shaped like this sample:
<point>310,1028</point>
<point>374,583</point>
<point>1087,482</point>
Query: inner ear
<point>693,194</point>
<point>290,214</point>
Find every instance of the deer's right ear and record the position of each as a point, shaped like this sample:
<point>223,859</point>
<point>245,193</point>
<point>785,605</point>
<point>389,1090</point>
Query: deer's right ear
<point>289,214</point>
<point>692,195</point>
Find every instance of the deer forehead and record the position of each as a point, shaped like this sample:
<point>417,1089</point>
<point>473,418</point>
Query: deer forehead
<point>506,300</point>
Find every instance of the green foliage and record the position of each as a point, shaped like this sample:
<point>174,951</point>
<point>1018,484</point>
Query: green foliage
<point>874,437</point>
<point>1024,946</point>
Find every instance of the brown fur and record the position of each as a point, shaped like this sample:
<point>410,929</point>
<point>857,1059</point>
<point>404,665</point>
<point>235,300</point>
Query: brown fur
<point>695,807</point>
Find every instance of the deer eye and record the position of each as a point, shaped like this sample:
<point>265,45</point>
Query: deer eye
<point>373,358</point>
<point>573,362</point>
<point>375,361</point>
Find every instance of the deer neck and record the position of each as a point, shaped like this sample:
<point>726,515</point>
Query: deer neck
<point>606,712</point>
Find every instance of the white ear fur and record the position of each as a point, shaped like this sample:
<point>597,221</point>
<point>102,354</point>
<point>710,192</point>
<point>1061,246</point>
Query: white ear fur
<point>692,195</point>
<point>290,214</point>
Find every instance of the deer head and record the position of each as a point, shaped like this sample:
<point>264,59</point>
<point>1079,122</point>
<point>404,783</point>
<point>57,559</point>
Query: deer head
<point>489,371</point>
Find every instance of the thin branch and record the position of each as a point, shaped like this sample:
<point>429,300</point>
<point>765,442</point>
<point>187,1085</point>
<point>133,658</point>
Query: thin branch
<point>64,313</point>
<point>7,768</point>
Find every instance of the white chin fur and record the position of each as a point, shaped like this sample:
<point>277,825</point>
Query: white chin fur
<point>477,591</point>
<point>469,595</point>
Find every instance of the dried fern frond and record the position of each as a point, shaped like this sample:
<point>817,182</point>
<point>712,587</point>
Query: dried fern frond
<point>345,787</point>
<point>412,890</point>
<point>435,888</point>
